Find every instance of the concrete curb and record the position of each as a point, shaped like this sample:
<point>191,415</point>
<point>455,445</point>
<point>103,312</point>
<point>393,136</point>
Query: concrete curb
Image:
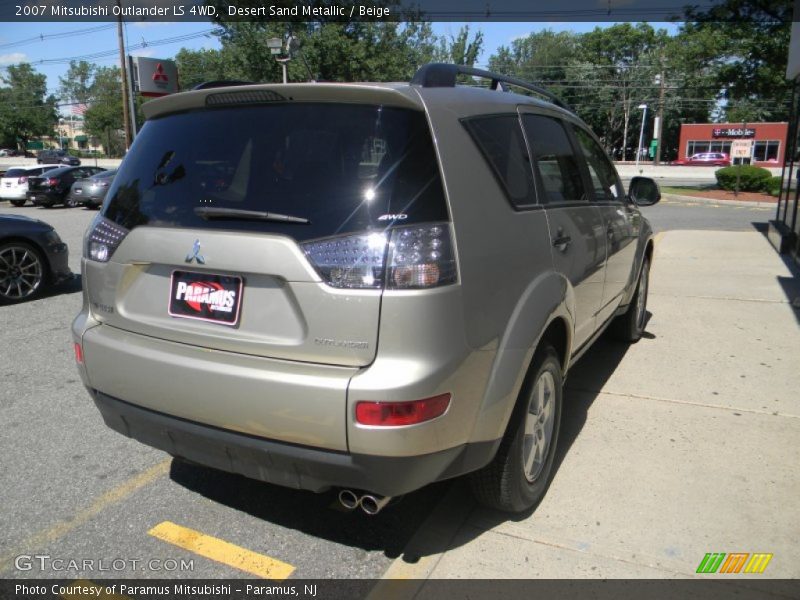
<point>750,203</point>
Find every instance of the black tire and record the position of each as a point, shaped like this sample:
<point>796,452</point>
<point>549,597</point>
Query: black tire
<point>504,484</point>
<point>70,203</point>
<point>23,272</point>
<point>17,202</point>
<point>629,327</point>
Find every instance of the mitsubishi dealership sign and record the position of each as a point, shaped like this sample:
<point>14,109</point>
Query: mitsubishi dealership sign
<point>154,76</point>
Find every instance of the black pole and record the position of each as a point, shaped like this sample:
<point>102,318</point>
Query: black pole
<point>790,153</point>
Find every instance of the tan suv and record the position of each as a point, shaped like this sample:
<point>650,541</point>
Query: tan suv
<point>367,287</point>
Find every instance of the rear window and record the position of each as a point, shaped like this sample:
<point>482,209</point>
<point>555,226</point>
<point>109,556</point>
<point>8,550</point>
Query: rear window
<point>16,173</point>
<point>345,168</point>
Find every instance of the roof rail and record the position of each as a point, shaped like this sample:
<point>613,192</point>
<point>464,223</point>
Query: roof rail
<point>444,75</point>
<point>207,85</point>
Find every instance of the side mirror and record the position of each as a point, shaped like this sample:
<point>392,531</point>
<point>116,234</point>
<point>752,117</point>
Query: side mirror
<point>644,191</point>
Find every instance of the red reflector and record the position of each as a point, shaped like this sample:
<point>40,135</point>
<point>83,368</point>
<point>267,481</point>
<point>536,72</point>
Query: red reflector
<point>78,354</point>
<point>401,413</point>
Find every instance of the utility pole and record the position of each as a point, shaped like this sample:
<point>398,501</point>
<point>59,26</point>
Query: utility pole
<point>660,117</point>
<point>125,116</point>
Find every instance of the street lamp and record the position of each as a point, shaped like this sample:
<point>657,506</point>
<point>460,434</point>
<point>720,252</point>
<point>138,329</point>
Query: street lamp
<point>641,133</point>
<point>275,46</point>
<point>61,134</point>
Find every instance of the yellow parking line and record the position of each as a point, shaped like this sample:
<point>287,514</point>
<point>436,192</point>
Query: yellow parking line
<point>81,589</point>
<point>222,551</point>
<point>49,536</point>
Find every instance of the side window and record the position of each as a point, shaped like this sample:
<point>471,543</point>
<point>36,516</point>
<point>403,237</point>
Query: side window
<point>554,159</point>
<point>501,142</point>
<point>604,176</point>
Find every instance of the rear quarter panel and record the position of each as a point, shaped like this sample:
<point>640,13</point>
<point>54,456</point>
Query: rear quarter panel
<point>510,291</point>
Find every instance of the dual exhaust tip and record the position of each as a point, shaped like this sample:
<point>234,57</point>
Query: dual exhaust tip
<point>370,503</point>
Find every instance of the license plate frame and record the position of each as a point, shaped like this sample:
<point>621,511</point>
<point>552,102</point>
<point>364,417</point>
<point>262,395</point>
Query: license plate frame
<point>203,296</point>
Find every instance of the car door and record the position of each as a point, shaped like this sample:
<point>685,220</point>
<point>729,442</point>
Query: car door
<point>577,235</point>
<point>620,221</point>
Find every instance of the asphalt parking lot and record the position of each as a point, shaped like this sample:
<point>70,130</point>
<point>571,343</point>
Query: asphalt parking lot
<point>73,489</point>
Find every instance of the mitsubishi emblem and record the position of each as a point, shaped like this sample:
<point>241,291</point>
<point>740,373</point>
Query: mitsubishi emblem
<point>195,254</point>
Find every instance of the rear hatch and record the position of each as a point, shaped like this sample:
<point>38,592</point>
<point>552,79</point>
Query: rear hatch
<point>13,179</point>
<point>258,225</point>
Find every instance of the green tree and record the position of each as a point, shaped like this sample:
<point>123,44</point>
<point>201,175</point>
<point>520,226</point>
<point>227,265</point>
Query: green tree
<point>104,118</point>
<point>76,85</point>
<point>199,66</point>
<point>328,51</point>
<point>544,57</point>
<point>745,45</point>
<point>26,111</point>
<point>619,65</point>
<point>459,49</point>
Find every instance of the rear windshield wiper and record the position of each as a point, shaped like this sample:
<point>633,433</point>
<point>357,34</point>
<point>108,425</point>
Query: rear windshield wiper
<point>212,212</point>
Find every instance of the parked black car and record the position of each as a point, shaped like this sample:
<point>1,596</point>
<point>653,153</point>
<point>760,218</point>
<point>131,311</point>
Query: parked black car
<point>91,192</point>
<point>32,256</point>
<point>52,187</point>
<point>57,157</point>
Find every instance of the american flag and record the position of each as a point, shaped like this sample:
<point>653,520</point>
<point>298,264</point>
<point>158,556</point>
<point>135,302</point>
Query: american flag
<point>79,109</point>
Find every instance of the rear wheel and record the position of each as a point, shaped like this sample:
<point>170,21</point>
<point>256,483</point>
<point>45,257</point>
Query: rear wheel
<point>22,272</point>
<point>519,475</point>
<point>629,326</point>
<point>17,202</point>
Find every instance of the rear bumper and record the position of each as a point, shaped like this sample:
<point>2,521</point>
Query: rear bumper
<point>289,465</point>
<point>13,193</point>
<point>45,198</point>
<point>85,199</point>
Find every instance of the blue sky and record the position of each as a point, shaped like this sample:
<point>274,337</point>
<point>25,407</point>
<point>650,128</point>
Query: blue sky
<point>17,43</point>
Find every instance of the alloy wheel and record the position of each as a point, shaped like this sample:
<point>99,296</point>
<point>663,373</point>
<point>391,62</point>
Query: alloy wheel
<point>21,272</point>
<point>539,422</point>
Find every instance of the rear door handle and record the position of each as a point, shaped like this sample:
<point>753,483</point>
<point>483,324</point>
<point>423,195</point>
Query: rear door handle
<point>562,242</point>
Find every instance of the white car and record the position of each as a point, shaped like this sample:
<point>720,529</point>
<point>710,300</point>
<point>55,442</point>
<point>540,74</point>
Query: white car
<point>14,183</point>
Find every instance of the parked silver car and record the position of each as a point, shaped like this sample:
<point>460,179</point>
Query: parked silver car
<point>369,287</point>
<point>91,191</point>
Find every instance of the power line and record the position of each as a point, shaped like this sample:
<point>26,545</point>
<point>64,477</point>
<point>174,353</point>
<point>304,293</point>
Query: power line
<point>139,46</point>
<point>54,36</point>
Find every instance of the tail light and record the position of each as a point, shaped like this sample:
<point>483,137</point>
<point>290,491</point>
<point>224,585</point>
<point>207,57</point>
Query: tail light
<point>78,354</point>
<point>22,180</point>
<point>415,257</point>
<point>388,414</point>
<point>52,181</point>
<point>102,239</point>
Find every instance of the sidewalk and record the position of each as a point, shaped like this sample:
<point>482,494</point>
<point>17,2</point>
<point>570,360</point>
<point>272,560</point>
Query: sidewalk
<point>682,444</point>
